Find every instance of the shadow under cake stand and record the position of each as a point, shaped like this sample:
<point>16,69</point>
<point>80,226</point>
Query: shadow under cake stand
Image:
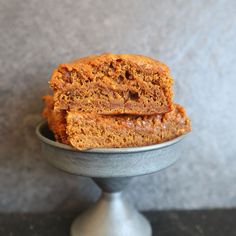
<point>111,169</point>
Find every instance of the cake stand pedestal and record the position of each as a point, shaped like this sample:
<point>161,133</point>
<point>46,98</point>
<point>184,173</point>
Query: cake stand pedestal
<point>111,169</point>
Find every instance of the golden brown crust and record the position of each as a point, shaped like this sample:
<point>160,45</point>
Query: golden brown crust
<point>113,84</point>
<point>48,108</point>
<point>148,64</point>
<point>56,119</point>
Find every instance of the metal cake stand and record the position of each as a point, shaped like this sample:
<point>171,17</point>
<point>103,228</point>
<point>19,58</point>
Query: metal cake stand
<point>111,169</point>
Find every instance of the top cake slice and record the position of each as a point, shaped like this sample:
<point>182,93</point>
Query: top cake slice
<point>113,84</point>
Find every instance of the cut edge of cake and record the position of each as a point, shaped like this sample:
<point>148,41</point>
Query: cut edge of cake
<point>113,84</point>
<point>114,131</point>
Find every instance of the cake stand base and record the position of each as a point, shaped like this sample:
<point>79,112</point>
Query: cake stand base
<point>111,215</point>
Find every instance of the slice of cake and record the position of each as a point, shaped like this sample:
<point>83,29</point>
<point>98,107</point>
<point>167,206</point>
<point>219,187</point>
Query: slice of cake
<point>89,130</point>
<point>113,84</point>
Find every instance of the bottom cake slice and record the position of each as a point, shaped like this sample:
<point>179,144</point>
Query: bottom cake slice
<point>88,130</point>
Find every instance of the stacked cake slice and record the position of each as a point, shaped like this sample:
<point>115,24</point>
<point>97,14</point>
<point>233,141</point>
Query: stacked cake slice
<point>113,101</point>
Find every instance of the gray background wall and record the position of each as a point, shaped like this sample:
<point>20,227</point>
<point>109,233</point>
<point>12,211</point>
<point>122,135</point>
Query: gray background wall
<point>195,38</point>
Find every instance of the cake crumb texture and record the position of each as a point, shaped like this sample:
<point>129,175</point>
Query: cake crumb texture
<point>88,130</point>
<point>113,101</point>
<point>113,84</point>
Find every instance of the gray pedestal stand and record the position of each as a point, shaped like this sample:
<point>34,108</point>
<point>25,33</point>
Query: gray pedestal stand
<point>111,169</point>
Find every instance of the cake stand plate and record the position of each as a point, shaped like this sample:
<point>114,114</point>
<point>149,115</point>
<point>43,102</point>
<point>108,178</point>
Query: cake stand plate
<point>111,169</point>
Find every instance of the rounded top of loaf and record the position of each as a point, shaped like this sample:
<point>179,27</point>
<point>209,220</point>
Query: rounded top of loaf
<point>146,64</point>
